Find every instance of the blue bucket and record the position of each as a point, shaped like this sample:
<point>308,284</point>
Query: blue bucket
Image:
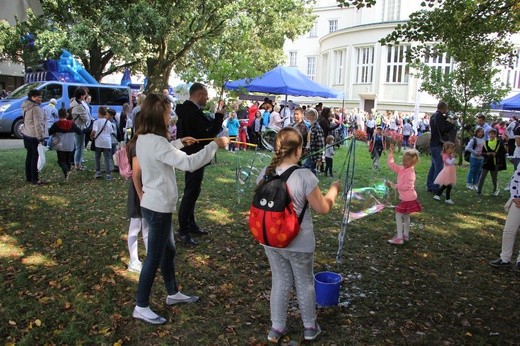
<point>327,286</point>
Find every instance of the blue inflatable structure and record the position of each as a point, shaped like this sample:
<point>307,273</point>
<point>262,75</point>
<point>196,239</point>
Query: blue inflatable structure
<point>66,69</point>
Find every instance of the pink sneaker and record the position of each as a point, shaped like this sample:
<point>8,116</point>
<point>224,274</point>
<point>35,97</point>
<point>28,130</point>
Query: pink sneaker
<point>406,237</point>
<point>396,240</point>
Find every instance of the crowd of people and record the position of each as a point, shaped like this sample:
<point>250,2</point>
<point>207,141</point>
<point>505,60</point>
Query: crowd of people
<point>161,138</point>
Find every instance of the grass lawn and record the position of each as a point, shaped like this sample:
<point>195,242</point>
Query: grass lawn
<point>63,258</point>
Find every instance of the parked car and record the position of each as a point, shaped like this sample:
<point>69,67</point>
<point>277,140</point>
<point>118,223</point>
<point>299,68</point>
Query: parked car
<point>11,115</point>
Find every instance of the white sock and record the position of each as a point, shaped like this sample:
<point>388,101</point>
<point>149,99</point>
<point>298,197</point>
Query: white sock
<point>146,312</point>
<point>179,296</point>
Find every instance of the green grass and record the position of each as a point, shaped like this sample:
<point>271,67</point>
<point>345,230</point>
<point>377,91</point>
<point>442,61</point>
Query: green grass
<point>63,258</point>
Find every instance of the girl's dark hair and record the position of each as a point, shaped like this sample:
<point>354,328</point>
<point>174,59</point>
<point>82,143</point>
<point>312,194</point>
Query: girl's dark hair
<point>153,110</point>
<point>477,130</point>
<point>286,142</point>
<point>138,120</point>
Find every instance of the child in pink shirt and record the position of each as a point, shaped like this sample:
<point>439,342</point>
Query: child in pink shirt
<point>408,197</point>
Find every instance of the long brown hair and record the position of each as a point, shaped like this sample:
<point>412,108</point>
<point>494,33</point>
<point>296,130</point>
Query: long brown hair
<point>152,112</point>
<point>286,142</point>
<point>133,141</point>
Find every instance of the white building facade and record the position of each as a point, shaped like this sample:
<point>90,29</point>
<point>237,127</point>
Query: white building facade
<point>342,51</point>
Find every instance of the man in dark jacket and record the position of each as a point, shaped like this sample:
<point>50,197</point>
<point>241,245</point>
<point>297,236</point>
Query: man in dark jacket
<point>440,127</point>
<point>193,122</point>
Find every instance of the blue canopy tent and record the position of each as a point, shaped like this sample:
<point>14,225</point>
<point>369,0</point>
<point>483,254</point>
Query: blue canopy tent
<point>283,80</point>
<point>511,104</point>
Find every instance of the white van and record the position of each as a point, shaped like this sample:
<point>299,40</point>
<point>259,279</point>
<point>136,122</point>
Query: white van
<point>11,115</point>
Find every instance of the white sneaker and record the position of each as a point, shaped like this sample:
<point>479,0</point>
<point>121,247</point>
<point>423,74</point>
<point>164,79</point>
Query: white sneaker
<point>135,267</point>
<point>497,191</point>
<point>449,201</point>
<point>506,188</point>
<point>437,198</point>
<point>475,187</point>
<point>469,186</point>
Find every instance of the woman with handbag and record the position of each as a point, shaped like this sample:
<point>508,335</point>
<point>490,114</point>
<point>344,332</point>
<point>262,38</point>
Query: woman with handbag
<point>101,137</point>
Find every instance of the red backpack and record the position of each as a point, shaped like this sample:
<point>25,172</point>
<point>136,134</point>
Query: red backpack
<point>121,160</point>
<point>272,218</point>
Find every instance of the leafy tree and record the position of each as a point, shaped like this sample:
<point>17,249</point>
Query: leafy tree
<point>155,37</point>
<point>215,40</point>
<point>93,31</point>
<point>476,34</point>
<point>249,45</point>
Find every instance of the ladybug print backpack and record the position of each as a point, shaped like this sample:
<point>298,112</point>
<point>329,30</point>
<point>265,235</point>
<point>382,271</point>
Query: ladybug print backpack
<point>272,219</point>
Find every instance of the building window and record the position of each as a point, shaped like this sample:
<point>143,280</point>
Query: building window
<point>293,58</point>
<point>512,75</point>
<point>333,25</point>
<point>392,9</point>
<point>441,64</point>
<point>365,65</point>
<point>314,30</point>
<point>311,67</point>
<point>397,69</point>
<point>339,62</point>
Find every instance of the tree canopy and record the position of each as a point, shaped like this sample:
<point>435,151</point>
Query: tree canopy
<point>195,38</point>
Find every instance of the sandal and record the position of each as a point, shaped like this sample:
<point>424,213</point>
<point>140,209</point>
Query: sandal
<point>275,335</point>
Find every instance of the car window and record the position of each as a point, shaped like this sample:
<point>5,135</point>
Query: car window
<point>51,91</point>
<point>113,96</point>
<point>23,90</point>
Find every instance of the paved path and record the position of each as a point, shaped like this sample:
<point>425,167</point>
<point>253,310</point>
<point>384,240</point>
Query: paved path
<point>7,142</point>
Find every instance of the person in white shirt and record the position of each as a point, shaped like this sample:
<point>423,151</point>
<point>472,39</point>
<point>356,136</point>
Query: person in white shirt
<point>51,115</point>
<point>101,135</point>
<point>407,132</point>
<point>370,126</point>
<point>158,159</point>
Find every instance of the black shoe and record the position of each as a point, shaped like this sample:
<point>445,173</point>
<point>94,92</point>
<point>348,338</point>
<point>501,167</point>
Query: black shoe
<point>199,231</point>
<point>187,240</point>
<point>499,263</point>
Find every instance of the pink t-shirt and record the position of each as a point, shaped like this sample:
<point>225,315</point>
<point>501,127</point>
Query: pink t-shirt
<point>405,180</point>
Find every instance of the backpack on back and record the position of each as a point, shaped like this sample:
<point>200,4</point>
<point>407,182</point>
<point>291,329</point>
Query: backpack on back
<point>272,219</point>
<point>121,160</point>
<point>467,154</point>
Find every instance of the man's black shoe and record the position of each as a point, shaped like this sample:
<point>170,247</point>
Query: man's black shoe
<point>499,263</point>
<point>186,239</point>
<point>199,231</point>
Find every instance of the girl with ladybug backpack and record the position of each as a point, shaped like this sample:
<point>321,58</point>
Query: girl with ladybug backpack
<point>293,265</point>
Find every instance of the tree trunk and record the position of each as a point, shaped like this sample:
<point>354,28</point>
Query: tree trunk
<point>158,74</point>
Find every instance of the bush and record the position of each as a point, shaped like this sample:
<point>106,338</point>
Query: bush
<point>360,135</point>
<point>423,143</point>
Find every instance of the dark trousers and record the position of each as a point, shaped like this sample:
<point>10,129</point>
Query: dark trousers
<point>31,160</point>
<point>192,188</point>
<point>448,191</point>
<point>328,166</point>
<point>64,161</point>
<point>161,252</point>
<point>370,133</point>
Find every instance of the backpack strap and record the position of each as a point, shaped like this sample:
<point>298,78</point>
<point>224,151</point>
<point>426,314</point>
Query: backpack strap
<point>284,177</point>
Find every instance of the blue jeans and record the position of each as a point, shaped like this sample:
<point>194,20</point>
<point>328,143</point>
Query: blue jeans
<point>475,167</point>
<point>435,168</point>
<point>310,164</point>
<point>161,251</point>
<point>107,153</point>
<point>79,145</point>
